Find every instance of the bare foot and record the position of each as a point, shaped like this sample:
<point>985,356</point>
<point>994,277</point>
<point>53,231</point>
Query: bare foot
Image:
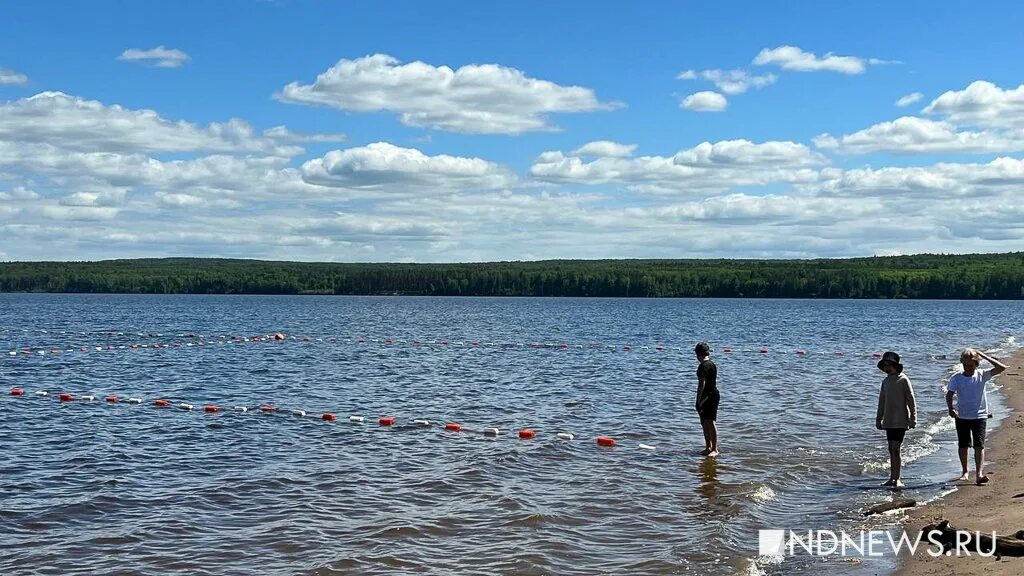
<point>963,478</point>
<point>713,454</point>
<point>705,452</point>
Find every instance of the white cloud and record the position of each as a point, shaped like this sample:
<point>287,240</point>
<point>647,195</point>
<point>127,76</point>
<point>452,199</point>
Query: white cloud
<point>283,134</point>
<point>605,149</point>
<point>943,181</point>
<point>796,59</point>
<point>909,99</point>
<point>730,81</point>
<point>10,77</point>
<point>981,104</point>
<point>160,56</point>
<point>705,101</point>
<point>704,169</point>
<point>74,123</point>
<point>380,164</point>
<point>477,99</point>
<point>911,134</point>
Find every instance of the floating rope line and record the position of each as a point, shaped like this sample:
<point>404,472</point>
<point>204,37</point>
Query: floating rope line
<point>388,422</point>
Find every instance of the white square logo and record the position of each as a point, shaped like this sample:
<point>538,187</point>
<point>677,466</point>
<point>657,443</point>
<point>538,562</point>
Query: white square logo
<point>771,542</point>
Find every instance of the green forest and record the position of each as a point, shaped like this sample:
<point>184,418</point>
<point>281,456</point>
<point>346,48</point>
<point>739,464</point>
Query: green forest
<point>968,276</point>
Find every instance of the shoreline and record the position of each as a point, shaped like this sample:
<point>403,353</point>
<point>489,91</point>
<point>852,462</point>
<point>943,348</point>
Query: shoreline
<point>982,508</point>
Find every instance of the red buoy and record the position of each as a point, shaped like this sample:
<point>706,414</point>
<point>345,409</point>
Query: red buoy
<point>764,350</point>
<point>17,392</point>
<point>66,397</point>
<point>727,350</point>
<point>526,434</point>
<point>453,427</point>
<point>800,352</point>
<point>876,355</point>
<point>627,347</point>
<point>659,347</point>
<point>328,417</point>
<point>387,421</point>
<point>161,403</point>
<point>605,441</point>
<point>268,408</point>
<point>839,353</point>
<point>111,399</point>
<point>211,408</point>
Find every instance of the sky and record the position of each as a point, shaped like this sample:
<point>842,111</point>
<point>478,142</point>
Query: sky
<point>452,131</point>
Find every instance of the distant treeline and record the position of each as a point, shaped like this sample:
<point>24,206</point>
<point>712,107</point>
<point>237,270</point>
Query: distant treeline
<point>992,276</point>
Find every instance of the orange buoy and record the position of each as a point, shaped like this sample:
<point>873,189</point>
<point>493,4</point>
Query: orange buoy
<point>386,421</point>
<point>453,427</point>
<point>66,397</point>
<point>211,408</point>
<point>111,399</point>
<point>268,408</point>
<point>605,441</point>
<point>328,417</point>
<point>161,403</point>
<point>526,434</point>
<point>17,392</point>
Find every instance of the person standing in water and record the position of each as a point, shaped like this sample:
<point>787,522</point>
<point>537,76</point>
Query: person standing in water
<point>707,397</point>
<point>897,412</point>
<point>971,412</point>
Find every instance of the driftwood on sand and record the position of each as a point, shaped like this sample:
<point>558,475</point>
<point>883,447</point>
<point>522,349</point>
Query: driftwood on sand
<point>947,536</point>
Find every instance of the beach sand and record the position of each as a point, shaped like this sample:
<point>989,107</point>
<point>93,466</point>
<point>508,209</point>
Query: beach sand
<point>985,508</point>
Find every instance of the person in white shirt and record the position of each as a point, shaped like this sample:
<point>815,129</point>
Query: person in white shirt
<point>971,412</point>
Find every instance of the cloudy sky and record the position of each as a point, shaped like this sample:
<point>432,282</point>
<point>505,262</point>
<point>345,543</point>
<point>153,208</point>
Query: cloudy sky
<point>453,131</point>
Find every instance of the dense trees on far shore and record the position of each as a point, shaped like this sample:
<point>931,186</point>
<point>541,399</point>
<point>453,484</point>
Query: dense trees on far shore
<point>990,276</point>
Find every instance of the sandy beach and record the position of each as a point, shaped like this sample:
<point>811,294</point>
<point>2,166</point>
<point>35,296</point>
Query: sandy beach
<point>998,506</point>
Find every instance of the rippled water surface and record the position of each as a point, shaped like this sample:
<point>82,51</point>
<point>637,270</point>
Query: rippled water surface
<point>98,488</point>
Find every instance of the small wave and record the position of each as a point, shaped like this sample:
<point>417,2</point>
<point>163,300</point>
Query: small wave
<point>911,451</point>
<point>763,494</point>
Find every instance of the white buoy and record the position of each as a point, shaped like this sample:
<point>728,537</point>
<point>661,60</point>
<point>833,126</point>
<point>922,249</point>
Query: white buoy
<point>299,413</point>
<point>240,409</point>
<point>565,436</point>
<point>645,447</point>
<point>356,419</point>
<point>135,400</point>
<point>87,398</point>
<point>186,406</point>
<point>421,422</point>
<point>13,353</point>
<point>491,431</point>
<point>42,393</point>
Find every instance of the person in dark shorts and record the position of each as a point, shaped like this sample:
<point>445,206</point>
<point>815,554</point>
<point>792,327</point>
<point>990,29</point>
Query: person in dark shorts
<point>897,412</point>
<point>971,412</point>
<point>707,397</point>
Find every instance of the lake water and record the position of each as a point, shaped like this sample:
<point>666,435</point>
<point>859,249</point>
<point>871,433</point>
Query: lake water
<point>92,487</point>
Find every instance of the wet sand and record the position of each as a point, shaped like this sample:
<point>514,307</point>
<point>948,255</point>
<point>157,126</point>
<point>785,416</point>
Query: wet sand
<point>993,507</point>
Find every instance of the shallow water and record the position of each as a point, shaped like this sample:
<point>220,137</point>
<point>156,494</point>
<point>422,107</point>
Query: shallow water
<point>121,489</point>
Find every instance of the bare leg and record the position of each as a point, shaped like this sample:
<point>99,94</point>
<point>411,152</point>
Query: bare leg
<point>713,435</point>
<point>963,464</point>
<point>895,460</point>
<point>979,464</point>
<point>707,437</point>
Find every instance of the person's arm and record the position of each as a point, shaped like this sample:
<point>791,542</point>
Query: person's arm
<point>997,366</point>
<point>949,404</point>
<point>881,408</point>
<point>700,391</point>
<point>911,401</point>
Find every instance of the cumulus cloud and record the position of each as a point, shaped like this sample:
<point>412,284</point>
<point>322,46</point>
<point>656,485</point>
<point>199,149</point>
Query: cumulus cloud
<point>283,134</point>
<point>705,101</point>
<point>909,99</point>
<point>796,59</point>
<point>981,104</point>
<point>706,168</point>
<point>982,118</point>
<point>12,78</point>
<point>730,81</point>
<point>74,123</point>
<point>381,164</point>
<point>161,57</point>
<point>605,149</point>
<point>476,99</point>
<point>911,134</point>
<point>943,181</point>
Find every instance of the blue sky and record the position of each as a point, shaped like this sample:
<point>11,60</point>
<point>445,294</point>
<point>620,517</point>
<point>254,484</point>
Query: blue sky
<point>456,131</point>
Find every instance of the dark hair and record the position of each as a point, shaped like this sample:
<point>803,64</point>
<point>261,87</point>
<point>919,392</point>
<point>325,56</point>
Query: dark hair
<point>703,349</point>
